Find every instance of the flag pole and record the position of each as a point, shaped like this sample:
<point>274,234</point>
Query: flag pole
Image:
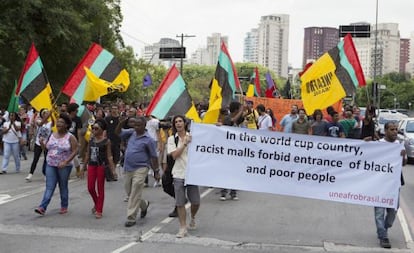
<point>56,99</point>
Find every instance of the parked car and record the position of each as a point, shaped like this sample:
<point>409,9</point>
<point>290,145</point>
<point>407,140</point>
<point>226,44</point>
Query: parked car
<point>403,111</point>
<point>406,133</point>
<point>385,117</point>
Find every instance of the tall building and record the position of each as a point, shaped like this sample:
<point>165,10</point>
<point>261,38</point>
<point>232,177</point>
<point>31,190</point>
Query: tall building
<point>273,40</point>
<point>199,56</point>
<point>250,46</point>
<point>214,47</point>
<point>388,49</point>
<point>317,41</point>
<point>209,55</point>
<point>404,54</point>
<point>410,64</point>
<point>382,55</point>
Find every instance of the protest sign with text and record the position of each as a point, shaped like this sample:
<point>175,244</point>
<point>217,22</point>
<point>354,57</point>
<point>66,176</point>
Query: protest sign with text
<point>336,169</point>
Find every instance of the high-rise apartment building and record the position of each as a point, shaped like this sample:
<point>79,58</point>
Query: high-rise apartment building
<point>404,54</point>
<point>273,39</point>
<point>410,64</point>
<point>382,55</point>
<point>214,47</point>
<point>388,48</point>
<point>199,56</point>
<point>317,41</point>
<point>209,55</point>
<point>250,46</point>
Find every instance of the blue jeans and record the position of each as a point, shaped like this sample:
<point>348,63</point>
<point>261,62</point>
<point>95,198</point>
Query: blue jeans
<point>11,149</point>
<point>54,176</point>
<point>384,218</point>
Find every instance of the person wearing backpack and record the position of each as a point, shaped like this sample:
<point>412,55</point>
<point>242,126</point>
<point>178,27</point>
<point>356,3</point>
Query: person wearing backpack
<point>180,153</point>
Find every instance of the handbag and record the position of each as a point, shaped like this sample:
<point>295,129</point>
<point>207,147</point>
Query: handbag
<point>167,177</point>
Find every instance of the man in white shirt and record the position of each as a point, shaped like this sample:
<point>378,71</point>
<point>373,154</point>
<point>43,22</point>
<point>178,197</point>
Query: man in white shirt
<point>264,121</point>
<point>384,217</point>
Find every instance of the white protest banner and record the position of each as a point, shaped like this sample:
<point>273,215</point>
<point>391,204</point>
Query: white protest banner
<point>336,169</point>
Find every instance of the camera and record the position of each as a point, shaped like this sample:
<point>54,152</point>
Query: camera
<point>164,125</point>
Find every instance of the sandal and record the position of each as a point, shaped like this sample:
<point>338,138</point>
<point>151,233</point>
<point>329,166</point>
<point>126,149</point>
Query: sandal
<point>98,215</point>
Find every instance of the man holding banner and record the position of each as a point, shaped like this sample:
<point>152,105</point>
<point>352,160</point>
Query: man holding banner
<point>384,217</point>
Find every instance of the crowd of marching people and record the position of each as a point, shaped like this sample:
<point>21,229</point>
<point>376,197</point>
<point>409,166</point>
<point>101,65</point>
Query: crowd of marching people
<point>117,135</point>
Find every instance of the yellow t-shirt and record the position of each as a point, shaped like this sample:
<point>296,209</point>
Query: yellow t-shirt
<point>251,119</point>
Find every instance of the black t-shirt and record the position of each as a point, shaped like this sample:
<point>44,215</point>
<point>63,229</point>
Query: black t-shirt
<point>111,124</point>
<point>97,152</point>
<point>76,125</point>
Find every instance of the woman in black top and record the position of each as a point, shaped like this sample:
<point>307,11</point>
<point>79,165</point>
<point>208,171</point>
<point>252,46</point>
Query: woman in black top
<point>97,156</point>
<point>368,128</point>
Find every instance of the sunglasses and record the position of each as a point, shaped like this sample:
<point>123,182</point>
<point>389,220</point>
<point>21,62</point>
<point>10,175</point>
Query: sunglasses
<point>95,128</point>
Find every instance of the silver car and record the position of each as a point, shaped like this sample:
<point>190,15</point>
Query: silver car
<point>406,133</point>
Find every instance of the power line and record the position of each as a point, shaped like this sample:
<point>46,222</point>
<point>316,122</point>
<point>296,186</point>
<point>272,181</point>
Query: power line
<point>135,38</point>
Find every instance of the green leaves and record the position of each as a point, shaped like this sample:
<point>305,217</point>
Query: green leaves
<point>62,32</point>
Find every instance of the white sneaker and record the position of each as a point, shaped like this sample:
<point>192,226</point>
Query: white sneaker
<point>181,233</point>
<point>192,225</point>
<point>29,177</point>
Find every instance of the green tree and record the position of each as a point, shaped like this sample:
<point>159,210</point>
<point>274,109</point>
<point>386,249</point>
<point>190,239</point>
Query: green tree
<point>61,30</point>
<point>398,86</point>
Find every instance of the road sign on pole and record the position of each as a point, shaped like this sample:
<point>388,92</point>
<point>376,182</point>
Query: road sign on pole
<point>356,31</point>
<point>172,53</point>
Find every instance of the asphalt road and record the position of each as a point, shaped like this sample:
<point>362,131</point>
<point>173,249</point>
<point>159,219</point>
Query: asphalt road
<point>258,222</point>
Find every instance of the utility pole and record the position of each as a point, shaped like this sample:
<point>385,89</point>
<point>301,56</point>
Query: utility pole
<point>182,48</point>
<point>377,100</point>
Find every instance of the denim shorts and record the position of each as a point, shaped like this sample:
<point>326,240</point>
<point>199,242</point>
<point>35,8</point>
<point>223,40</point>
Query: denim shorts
<point>193,193</point>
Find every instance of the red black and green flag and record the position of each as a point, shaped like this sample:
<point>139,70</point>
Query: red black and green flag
<point>33,84</point>
<point>336,74</point>
<point>223,86</point>
<point>101,62</point>
<point>172,98</point>
<point>14,100</point>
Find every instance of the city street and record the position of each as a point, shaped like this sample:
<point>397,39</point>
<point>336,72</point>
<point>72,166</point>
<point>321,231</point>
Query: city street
<point>258,222</point>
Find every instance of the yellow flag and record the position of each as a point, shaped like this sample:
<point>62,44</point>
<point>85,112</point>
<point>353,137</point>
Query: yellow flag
<point>121,82</point>
<point>320,85</point>
<point>250,91</point>
<point>96,87</point>
<point>213,112</point>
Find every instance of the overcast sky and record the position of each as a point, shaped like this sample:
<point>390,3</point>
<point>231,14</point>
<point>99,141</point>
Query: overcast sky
<point>146,21</point>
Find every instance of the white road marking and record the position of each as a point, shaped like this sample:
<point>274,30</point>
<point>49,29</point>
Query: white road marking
<point>4,200</point>
<point>404,225</point>
<point>157,228</point>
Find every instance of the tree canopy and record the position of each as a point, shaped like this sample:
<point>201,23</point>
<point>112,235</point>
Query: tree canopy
<point>61,30</point>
